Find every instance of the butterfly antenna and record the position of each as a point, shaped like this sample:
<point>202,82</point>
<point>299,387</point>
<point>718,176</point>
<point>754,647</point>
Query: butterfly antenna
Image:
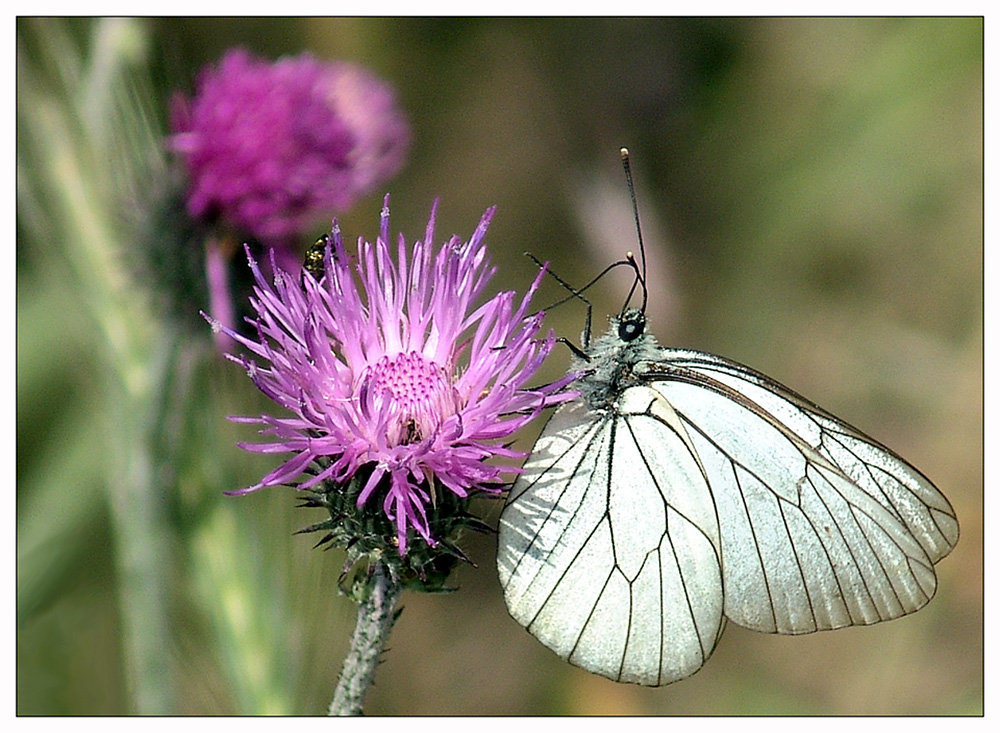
<point>578,294</point>
<point>640,269</point>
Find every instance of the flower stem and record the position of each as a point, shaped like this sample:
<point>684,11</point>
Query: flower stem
<point>376,616</point>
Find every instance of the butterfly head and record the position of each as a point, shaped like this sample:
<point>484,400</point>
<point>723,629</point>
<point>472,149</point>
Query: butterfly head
<point>609,363</point>
<point>631,325</point>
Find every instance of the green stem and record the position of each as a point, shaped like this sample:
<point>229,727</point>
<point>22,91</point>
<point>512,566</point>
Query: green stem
<point>85,142</point>
<point>375,618</point>
<point>138,515</point>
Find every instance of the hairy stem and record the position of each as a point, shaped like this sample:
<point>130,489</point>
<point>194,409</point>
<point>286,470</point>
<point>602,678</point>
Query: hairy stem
<point>375,618</point>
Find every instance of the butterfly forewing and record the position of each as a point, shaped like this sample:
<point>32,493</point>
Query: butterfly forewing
<point>821,526</point>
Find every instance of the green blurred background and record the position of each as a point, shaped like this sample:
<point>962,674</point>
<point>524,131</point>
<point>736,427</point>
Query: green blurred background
<point>812,198</point>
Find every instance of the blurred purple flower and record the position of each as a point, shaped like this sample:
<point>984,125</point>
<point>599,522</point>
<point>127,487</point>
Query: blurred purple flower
<point>395,377</point>
<point>271,146</point>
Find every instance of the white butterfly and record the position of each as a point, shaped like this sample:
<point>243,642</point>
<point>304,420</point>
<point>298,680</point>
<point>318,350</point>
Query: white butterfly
<point>682,489</point>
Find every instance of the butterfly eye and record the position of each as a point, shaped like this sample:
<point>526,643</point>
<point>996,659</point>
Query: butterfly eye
<point>631,329</point>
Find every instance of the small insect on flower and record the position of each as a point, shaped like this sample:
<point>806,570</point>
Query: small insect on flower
<point>401,384</point>
<point>313,261</point>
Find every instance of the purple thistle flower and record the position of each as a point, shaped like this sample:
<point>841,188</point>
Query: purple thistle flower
<point>396,378</point>
<point>270,146</point>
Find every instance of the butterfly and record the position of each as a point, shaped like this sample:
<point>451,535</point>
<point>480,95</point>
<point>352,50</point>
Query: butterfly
<point>682,489</point>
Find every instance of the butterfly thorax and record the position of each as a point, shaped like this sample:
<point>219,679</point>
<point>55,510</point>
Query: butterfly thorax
<point>612,357</point>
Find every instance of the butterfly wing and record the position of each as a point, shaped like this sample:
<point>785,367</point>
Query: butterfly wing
<point>822,527</point>
<point>609,544</point>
